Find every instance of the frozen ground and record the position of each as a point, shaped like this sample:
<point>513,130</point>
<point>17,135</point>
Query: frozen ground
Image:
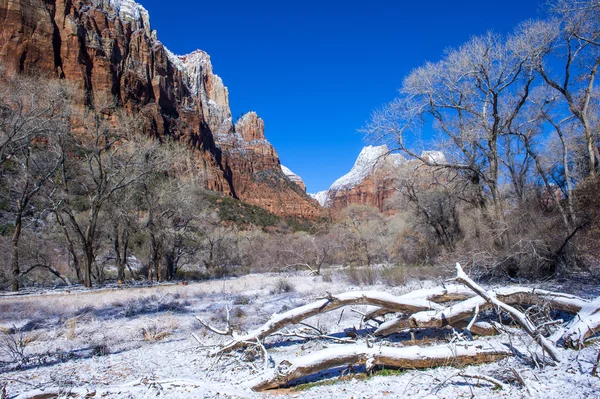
<point>138,343</point>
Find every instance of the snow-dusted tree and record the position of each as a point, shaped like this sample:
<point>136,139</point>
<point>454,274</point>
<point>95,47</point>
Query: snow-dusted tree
<point>104,156</point>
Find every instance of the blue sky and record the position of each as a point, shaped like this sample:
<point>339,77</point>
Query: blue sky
<point>315,70</point>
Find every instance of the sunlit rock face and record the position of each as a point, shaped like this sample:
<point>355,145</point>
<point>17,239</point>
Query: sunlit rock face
<point>374,179</point>
<point>108,49</point>
<point>371,181</point>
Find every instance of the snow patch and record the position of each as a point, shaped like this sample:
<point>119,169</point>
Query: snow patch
<point>435,157</point>
<point>322,197</point>
<point>291,175</point>
<point>129,10</point>
<point>364,166</point>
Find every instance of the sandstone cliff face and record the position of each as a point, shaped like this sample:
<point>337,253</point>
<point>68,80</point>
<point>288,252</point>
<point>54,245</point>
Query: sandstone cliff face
<point>257,173</point>
<point>294,177</point>
<point>374,179</point>
<point>108,48</point>
<point>371,181</point>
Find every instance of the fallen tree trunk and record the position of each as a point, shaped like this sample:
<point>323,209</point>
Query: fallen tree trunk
<point>412,357</point>
<point>441,294</point>
<point>585,324</point>
<point>509,296</point>
<point>402,323</point>
<point>519,317</point>
<point>333,302</point>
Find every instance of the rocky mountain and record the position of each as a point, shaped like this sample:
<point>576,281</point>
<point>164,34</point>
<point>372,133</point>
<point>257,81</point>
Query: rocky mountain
<point>373,179</point>
<point>293,177</point>
<point>107,49</point>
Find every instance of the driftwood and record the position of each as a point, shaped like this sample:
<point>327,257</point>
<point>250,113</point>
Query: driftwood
<point>412,357</point>
<point>443,294</point>
<point>509,296</point>
<point>455,315</point>
<point>332,302</point>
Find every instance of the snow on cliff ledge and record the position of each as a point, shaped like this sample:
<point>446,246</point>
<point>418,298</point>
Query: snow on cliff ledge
<point>322,198</point>
<point>129,10</point>
<point>291,175</point>
<point>364,166</point>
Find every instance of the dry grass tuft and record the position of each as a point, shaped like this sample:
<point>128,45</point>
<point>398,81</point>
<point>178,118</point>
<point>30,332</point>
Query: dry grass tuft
<point>361,276</point>
<point>158,329</point>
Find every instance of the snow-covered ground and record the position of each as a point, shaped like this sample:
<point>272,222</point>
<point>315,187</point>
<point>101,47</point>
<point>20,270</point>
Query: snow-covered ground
<point>138,343</point>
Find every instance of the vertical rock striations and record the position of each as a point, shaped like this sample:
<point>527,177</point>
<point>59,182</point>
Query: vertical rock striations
<point>374,179</point>
<point>108,49</point>
<point>371,181</point>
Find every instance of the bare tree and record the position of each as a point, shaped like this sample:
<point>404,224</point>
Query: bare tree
<point>311,251</point>
<point>471,97</point>
<point>33,121</point>
<point>571,40</point>
<point>105,155</point>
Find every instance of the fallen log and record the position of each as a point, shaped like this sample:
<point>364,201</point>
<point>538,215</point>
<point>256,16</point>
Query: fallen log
<point>519,317</point>
<point>332,302</point>
<point>585,324</point>
<point>413,357</point>
<point>402,323</point>
<point>507,295</point>
<point>441,294</point>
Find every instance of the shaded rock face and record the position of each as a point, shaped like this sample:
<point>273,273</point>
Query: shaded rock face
<point>108,48</point>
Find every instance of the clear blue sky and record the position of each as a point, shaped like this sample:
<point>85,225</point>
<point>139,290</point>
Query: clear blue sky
<point>315,70</point>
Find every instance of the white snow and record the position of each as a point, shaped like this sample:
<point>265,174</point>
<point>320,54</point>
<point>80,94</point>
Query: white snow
<point>322,197</point>
<point>178,367</point>
<point>368,158</point>
<point>291,175</point>
<point>129,10</point>
<point>436,157</point>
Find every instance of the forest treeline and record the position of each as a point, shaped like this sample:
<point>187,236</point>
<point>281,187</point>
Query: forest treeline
<point>84,197</point>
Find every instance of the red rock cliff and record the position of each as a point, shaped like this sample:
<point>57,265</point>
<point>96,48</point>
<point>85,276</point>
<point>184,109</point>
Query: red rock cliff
<point>108,49</point>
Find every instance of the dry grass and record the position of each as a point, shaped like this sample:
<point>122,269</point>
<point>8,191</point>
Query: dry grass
<point>361,276</point>
<point>158,328</point>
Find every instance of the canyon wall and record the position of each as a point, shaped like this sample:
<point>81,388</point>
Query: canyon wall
<point>107,49</point>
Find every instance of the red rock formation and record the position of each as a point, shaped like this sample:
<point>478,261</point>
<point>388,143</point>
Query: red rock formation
<point>108,49</point>
<point>373,180</point>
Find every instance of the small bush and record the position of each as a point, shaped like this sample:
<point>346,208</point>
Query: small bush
<point>13,344</point>
<point>158,329</point>
<point>154,304</point>
<point>282,285</point>
<point>241,300</point>
<point>100,350</point>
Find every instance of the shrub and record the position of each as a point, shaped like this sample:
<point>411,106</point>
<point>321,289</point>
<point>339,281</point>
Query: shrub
<point>361,275</point>
<point>394,276</point>
<point>282,285</point>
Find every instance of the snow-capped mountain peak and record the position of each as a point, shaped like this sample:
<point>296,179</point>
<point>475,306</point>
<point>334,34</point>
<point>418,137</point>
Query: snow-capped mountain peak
<point>129,10</point>
<point>363,167</point>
